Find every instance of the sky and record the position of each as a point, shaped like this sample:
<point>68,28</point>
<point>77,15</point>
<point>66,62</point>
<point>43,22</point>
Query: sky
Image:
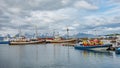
<point>84,16</point>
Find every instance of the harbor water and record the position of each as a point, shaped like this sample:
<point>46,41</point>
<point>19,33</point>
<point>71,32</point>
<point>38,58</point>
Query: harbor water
<point>55,56</point>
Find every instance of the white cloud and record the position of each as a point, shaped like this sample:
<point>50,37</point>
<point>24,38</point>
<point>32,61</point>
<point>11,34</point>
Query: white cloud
<point>57,14</point>
<point>48,16</point>
<point>85,5</point>
<point>65,2</point>
<point>99,20</point>
<point>14,10</point>
<point>116,1</point>
<point>76,24</point>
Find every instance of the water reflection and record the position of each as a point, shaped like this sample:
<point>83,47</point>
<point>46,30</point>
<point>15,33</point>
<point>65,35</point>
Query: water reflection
<point>54,56</point>
<point>95,52</point>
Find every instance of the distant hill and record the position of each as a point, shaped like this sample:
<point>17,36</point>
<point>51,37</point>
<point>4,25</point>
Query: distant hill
<point>112,34</point>
<point>83,35</point>
<point>79,35</point>
<point>39,36</point>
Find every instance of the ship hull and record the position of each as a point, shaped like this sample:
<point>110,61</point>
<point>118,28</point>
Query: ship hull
<point>4,42</point>
<point>25,43</point>
<point>81,47</point>
<point>61,41</point>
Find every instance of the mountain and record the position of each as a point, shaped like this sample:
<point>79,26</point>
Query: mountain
<point>79,35</point>
<point>83,35</point>
<point>112,34</point>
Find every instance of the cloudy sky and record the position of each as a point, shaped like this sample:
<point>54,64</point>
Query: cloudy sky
<point>83,16</point>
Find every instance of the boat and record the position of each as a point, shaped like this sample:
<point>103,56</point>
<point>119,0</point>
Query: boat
<point>82,47</point>
<point>117,50</point>
<point>24,41</point>
<point>92,45</point>
<point>62,41</point>
<point>58,39</point>
<point>4,41</point>
<point>117,45</point>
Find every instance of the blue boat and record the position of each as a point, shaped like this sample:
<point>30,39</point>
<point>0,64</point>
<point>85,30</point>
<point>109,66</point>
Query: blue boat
<point>117,50</point>
<point>82,47</point>
<point>4,42</point>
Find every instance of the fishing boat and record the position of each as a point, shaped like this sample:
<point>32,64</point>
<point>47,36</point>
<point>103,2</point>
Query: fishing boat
<point>24,41</point>
<point>61,41</point>
<point>82,47</point>
<point>58,39</point>
<point>93,45</point>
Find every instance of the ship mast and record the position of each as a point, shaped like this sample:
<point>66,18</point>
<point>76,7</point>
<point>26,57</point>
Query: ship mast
<point>96,33</point>
<point>67,33</point>
<point>54,33</point>
<point>36,32</point>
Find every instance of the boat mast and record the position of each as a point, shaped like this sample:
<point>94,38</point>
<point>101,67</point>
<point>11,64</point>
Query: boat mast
<point>36,32</point>
<point>67,33</point>
<point>54,33</point>
<point>95,33</point>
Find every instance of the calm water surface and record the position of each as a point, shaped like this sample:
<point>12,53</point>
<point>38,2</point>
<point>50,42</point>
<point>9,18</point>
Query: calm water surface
<point>55,56</point>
